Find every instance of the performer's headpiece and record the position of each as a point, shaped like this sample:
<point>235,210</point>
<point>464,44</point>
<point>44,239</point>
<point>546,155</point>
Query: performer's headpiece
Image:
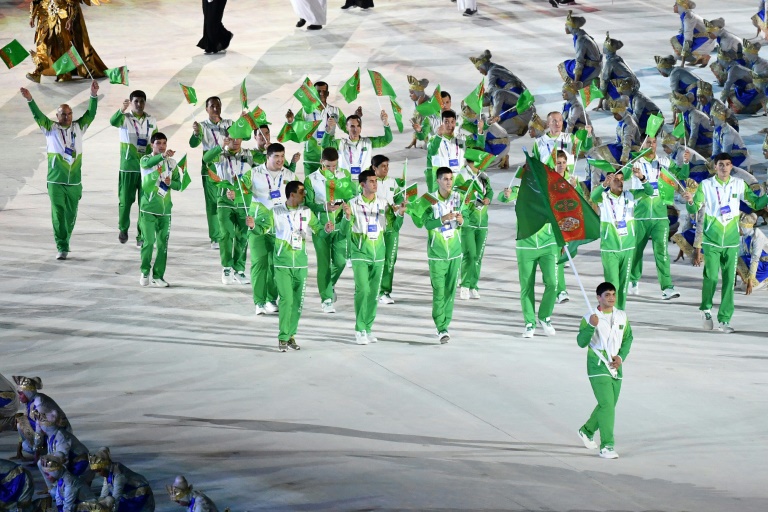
<point>572,87</point>
<point>537,123</point>
<point>27,383</point>
<point>665,62</point>
<point>179,490</point>
<point>680,99</point>
<point>482,60</point>
<point>747,220</point>
<point>51,463</point>
<point>414,84</point>
<point>575,21</point>
<point>704,89</point>
<point>612,45</point>
<point>719,110</point>
<point>714,26</point>
<point>686,4</point>
<point>100,459</point>
<point>623,85</point>
<point>619,105</point>
<point>751,46</point>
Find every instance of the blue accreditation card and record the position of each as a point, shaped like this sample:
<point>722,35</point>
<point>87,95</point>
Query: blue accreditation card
<point>69,151</point>
<point>621,227</point>
<point>320,134</point>
<point>274,194</point>
<point>141,143</point>
<point>162,189</point>
<point>355,170</point>
<point>453,162</point>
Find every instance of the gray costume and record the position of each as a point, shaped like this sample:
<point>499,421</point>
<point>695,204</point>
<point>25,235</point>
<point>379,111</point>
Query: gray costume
<point>682,80</point>
<point>587,56</point>
<point>9,404</point>
<point>30,432</point>
<point>499,77</point>
<point>614,68</point>
<point>68,491</point>
<point>129,487</point>
<point>69,449</point>
<point>515,123</point>
<point>737,88</point>
<point>728,43</point>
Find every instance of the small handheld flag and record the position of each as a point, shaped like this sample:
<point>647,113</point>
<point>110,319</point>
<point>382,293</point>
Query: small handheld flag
<point>189,94</point>
<point>13,54</point>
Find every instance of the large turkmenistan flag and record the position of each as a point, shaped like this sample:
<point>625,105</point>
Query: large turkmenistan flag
<point>13,53</point>
<point>68,62</point>
<point>307,96</point>
<point>380,85</point>
<point>546,198</point>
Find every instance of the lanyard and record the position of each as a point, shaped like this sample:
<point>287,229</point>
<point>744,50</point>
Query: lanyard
<point>64,137</point>
<point>726,193</point>
<point>449,209</point>
<point>213,133</point>
<point>231,171</point>
<point>269,182</point>
<point>613,209</point>
<point>290,222</point>
<point>137,125</point>
<point>360,160</point>
<point>365,213</point>
<point>448,149</point>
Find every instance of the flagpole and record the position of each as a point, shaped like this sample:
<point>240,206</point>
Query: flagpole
<point>591,312</point>
<point>514,175</point>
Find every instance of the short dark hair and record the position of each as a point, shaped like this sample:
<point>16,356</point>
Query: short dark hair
<point>447,114</point>
<point>210,99</point>
<point>377,160</point>
<point>441,171</point>
<point>138,94</point>
<point>157,136</point>
<point>275,147</point>
<point>363,177</point>
<point>561,154</point>
<point>354,116</point>
<point>263,127</point>
<point>330,155</point>
<point>320,83</point>
<point>605,287</point>
<point>292,187</point>
<point>445,94</point>
<point>722,156</point>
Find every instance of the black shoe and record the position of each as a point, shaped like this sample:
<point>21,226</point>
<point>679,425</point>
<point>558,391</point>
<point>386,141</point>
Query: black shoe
<point>301,23</point>
<point>553,3</point>
<point>314,27</point>
<point>123,237</point>
<point>348,5</point>
<point>468,12</point>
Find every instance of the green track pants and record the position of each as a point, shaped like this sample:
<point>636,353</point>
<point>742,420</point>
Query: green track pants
<point>472,250</point>
<point>64,203</point>
<point>156,230</point>
<point>128,192</point>
<point>603,418</point>
<point>291,284</point>
<point>211,194</point>
<point>262,269</point>
<point>331,253</point>
<point>391,243</point>
<point>233,241</point>
<point>719,259</point>
<point>658,232</point>
<point>527,260</point>
<point>367,281</point>
<point>616,268</point>
<point>443,275</point>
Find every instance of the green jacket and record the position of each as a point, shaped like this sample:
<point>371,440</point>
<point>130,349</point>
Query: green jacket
<point>152,168</point>
<point>440,247</point>
<point>239,174</point>
<point>130,132</point>
<point>595,367</point>
<point>610,239</point>
<point>282,222</point>
<point>475,213</point>
<point>653,207</point>
<point>64,169</point>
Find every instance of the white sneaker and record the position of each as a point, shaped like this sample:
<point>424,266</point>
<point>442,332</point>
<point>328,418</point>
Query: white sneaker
<point>546,325</point>
<point>464,293</point>
<point>563,297</point>
<point>608,453</point>
<point>530,329</point>
<point>474,294</point>
<point>61,255</point>
<point>634,289</point>
<point>361,338</point>
<point>371,337</point>
<point>670,293</point>
<point>590,444</point>
<point>271,307</point>
<point>726,328</point>
<point>214,246</point>
<point>444,337</point>
<point>328,306</point>
<point>709,324</point>
<point>241,278</point>
<point>159,283</point>
<point>227,276</point>
<point>144,280</point>
<point>386,299</point>
<point>260,310</point>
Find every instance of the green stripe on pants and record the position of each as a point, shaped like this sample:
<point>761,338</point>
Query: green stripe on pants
<point>391,243</point>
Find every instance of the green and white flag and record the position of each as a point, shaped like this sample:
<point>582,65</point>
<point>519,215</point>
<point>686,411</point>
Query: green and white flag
<point>13,53</point>
<point>68,62</point>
